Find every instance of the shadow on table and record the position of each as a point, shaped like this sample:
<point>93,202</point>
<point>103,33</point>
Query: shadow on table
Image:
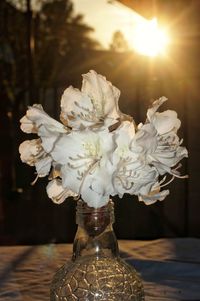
<point>12,265</point>
<point>171,268</point>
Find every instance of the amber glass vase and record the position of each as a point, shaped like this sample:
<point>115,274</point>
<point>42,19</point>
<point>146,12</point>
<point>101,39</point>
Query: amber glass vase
<point>96,271</point>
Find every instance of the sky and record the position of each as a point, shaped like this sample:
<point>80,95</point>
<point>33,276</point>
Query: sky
<point>106,17</point>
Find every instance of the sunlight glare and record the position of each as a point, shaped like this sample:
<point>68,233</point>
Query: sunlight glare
<point>149,39</point>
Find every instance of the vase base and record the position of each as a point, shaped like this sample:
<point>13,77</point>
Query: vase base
<point>97,279</point>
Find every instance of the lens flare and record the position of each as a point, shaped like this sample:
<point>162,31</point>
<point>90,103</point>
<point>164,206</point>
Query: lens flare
<point>149,39</point>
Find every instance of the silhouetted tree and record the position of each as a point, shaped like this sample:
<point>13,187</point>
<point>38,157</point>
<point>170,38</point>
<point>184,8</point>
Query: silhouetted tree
<point>119,42</point>
<point>59,34</point>
<point>33,46</point>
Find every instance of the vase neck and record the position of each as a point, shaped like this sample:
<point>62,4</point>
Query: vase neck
<point>95,235</point>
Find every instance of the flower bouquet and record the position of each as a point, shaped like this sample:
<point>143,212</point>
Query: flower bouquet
<point>94,153</point>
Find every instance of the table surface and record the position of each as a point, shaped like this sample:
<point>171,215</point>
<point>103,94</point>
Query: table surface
<point>170,268</point>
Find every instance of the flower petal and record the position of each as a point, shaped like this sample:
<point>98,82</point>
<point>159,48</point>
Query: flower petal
<point>43,166</point>
<point>57,193</point>
<point>153,197</point>
<point>29,151</point>
<point>84,156</point>
<point>36,116</point>
<point>104,97</point>
<point>97,188</point>
<point>145,140</point>
<point>134,177</point>
<point>156,104</point>
<point>32,153</point>
<point>27,126</point>
<point>166,122</point>
<point>77,110</point>
<point>163,122</point>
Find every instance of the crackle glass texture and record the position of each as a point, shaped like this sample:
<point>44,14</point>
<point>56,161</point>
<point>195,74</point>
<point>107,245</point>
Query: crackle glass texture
<point>96,272</point>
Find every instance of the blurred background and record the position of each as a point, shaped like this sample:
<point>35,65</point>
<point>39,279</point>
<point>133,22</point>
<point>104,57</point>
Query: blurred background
<point>147,48</point>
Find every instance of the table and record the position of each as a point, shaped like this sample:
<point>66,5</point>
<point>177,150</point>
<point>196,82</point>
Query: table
<point>170,268</point>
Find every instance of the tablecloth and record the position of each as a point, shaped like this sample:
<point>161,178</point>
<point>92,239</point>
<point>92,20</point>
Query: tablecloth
<point>170,268</point>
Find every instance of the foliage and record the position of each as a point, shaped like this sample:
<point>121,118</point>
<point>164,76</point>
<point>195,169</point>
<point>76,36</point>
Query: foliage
<point>60,35</point>
<point>36,53</point>
<point>33,47</point>
<point>119,42</point>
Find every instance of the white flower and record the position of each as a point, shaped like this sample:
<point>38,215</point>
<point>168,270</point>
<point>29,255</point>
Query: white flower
<point>77,110</point>
<point>134,177</point>
<point>29,151</point>
<point>43,166</point>
<point>154,195</point>
<point>97,151</point>
<point>96,104</point>
<point>57,193</point>
<point>164,122</point>
<point>32,153</point>
<point>155,106</point>
<point>97,186</point>
<point>167,155</point>
<point>157,140</point>
<point>27,126</point>
<point>123,137</point>
<point>145,140</point>
<point>37,151</point>
<point>36,120</point>
<point>132,174</point>
<point>84,156</point>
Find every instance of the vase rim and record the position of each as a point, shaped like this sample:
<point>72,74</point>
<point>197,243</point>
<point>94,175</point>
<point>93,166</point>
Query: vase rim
<point>82,207</point>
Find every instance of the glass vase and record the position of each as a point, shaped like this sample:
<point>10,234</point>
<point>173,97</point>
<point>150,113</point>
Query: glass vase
<point>96,271</point>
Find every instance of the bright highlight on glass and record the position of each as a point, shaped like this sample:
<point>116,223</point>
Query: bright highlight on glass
<point>149,39</point>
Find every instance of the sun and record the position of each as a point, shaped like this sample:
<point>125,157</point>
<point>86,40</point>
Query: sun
<point>149,39</point>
